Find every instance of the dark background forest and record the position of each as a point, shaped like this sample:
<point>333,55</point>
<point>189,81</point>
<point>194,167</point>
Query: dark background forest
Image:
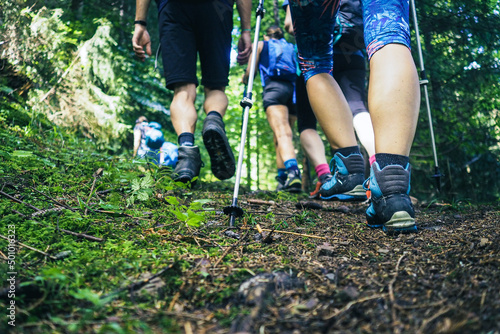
<point>71,62</point>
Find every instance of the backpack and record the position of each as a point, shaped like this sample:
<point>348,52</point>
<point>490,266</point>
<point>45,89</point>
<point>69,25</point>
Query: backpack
<point>349,25</point>
<point>282,61</point>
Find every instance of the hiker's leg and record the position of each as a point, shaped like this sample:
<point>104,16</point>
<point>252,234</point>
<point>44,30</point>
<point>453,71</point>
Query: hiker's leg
<point>394,93</point>
<point>313,147</point>
<point>182,111</point>
<point>350,73</point>
<point>277,116</point>
<point>313,26</point>
<point>215,100</point>
<point>393,100</point>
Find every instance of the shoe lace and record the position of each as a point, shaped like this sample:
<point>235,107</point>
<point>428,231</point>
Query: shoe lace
<point>366,184</point>
<point>333,167</point>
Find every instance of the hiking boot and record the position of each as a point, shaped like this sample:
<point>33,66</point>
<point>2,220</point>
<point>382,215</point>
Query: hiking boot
<point>188,164</point>
<point>390,206</point>
<point>221,155</point>
<point>347,181</point>
<point>281,183</point>
<point>294,182</point>
<point>315,193</point>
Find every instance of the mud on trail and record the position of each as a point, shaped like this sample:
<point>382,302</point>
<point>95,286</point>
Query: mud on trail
<point>317,268</point>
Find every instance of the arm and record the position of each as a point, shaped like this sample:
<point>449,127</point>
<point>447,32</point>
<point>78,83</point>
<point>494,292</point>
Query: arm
<point>141,41</point>
<point>288,21</point>
<point>245,42</point>
<point>246,75</point>
<point>137,141</point>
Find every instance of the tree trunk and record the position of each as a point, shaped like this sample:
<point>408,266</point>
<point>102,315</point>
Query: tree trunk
<point>77,9</point>
<point>276,13</point>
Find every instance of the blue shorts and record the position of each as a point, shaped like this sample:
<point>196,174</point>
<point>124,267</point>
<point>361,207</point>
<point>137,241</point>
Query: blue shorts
<point>385,22</point>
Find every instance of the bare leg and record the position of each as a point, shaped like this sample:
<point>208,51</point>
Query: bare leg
<point>393,99</point>
<point>277,116</point>
<point>215,100</point>
<point>313,147</point>
<point>182,111</point>
<point>331,110</point>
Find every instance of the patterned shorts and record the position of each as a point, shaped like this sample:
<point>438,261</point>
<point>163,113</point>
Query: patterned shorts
<point>385,22</point>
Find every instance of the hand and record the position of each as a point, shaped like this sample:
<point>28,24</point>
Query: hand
<point>141,42</point>
<point>244,79</point>
<point>244,48</point>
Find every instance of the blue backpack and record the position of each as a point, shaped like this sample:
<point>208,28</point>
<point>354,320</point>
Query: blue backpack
<point>282,61</point>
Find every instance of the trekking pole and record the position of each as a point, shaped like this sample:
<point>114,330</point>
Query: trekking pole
<point>234,210</point>
<point>423,82</point>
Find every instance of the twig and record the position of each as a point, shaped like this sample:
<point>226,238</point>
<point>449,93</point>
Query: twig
<point>286,232</point>
<point>53,200</point>
<point>435,316</point>
<point>259,201</point>
<point>391,295</point>
<point>137,285</point>
<point>96,175</point>
<point>354,302</point>
<point>229,249</point>
<point>19,201</point>
<point>76,234</point>
<point>29,247</point>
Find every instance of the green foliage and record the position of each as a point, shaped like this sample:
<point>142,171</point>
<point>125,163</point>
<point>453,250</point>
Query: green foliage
<point>141,189</point>
<point>70,64</point>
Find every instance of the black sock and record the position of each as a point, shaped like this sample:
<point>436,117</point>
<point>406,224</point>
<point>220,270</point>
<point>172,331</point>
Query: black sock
<point>186,139</point>
<point>386,159</point>
<point>214,113</point>
<point>346,151</point>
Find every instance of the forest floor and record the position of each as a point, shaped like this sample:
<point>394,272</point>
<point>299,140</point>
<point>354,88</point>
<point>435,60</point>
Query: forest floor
<point>106,246</point>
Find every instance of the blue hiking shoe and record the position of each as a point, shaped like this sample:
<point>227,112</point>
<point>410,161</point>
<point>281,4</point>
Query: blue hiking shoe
<point>347,181</point>
<point>390,207</point>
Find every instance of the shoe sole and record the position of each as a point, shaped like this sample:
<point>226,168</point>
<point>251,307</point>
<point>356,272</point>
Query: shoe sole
<point>400,222</point>
<point>221,155</point>
<point>294,189</point>
<point>356,194</point>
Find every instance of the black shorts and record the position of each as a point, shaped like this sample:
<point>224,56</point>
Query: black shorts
<point>191,27</point>
<point>279,92</point>
<point>350,74</point>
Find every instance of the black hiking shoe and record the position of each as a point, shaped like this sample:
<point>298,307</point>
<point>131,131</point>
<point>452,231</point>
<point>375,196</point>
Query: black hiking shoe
<point>281,183</point>
<point>347,181</point>
<point>221,155</point>
<point>294,182</point>
<point>390,207</point>
<point>188,164</point>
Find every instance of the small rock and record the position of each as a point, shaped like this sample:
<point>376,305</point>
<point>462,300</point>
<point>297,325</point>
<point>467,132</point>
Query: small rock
<point>343,209</point>
<point>330,276</point>
<point>308,205</point>
<point>483,242</point>
<point>383,250</point>
<point>232,234</point>
<point>326,250</point>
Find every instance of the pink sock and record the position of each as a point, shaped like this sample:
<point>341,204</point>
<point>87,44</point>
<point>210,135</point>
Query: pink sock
<point>322,169</point>
<point>372,159</point>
